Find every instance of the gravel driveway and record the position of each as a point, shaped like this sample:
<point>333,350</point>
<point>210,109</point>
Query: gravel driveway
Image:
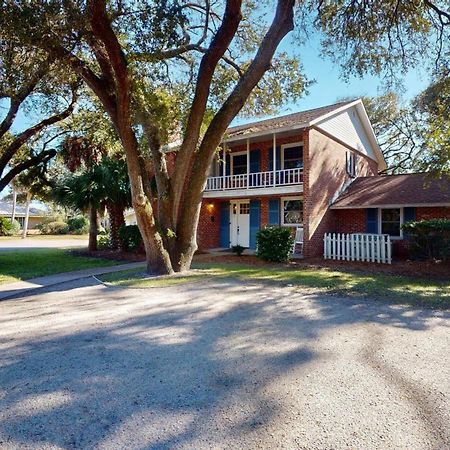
<point>220,366</point>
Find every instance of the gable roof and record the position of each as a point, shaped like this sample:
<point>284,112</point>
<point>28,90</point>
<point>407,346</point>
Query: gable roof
<point>416,189</point>
<point>299,118</point>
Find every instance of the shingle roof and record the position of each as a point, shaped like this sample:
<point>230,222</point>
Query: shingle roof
<point>284,121</point>
<point>6,210</point>
<point>418,189</point>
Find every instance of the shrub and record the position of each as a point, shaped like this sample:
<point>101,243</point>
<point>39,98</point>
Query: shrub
<point>238,249</point>
<point>130,236</point>
<point>56,227</point>
<point>274,244</point>
<point>78,225</point>
<point>102,241</point>
<point>428,238</point>
<point>8,227</point>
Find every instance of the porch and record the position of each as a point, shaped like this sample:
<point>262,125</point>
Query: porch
<point>269,165</point>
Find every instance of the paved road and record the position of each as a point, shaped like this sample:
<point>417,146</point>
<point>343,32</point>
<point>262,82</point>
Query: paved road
<point>27,243</point>
<point>220,366</point>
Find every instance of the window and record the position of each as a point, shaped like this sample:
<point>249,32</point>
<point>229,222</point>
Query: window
<point>21,221</point>
<point>292,156</point>
<point>391,220</point>
<point>239,164</point>
<point>291,211</point>
<point>351,162</point>
<point>244,208</point>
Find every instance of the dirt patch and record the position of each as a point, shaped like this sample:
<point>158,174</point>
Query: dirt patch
<point>436,270</point>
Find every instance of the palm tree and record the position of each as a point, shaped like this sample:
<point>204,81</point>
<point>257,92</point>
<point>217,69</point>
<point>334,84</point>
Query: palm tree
<point>85,192</point>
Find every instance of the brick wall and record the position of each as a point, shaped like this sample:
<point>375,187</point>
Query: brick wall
<point>433,213</point>
<point>325,174</point>
<point>349,220</point>
<point>208,231</point>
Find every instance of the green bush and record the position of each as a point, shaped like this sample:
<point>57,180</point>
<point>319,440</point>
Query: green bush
<point>56,227</point>
<point>130,236</point>
<point>78,225</point>
<point>8,227</point>
<point>429,239</point>
<point>274,244</point>
<point>102,241</point>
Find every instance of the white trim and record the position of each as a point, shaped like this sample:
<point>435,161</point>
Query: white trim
<point>402,214</point>
<point>396,205</point>
<point>284,146</point>
<point>282,200</point>
<point>255,192</point>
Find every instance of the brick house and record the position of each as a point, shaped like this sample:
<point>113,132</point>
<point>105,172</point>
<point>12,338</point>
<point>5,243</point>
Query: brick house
<point>317,170</point>
<point>287,171</point>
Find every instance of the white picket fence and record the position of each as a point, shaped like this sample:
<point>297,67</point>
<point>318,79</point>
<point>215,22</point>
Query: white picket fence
<point>358,247</point>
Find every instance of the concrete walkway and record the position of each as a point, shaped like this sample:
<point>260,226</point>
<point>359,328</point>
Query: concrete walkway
<point>20,287</point>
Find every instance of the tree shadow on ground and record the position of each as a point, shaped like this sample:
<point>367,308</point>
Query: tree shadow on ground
<point>154,369</point>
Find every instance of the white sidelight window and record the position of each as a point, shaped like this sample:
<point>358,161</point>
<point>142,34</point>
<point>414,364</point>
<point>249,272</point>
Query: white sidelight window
<point>391,220</point>
<point>292,211</point>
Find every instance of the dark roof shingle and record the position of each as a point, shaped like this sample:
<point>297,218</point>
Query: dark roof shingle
<point>417,189</point>
<point>284,121</point>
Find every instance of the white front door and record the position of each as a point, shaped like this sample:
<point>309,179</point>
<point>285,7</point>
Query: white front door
<point>240,223</point>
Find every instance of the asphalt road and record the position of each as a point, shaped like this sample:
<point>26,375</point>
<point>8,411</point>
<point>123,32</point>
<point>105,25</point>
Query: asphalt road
<point>39,242</point>
<point>220,366</point>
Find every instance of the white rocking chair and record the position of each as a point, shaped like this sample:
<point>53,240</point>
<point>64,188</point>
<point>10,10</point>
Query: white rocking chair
<point>298,240</point>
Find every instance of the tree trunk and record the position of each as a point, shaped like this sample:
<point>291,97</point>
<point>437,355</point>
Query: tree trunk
<point>93,229</point>
<point>116,220</point>
<point>27,216</point>
<point>13,212</point>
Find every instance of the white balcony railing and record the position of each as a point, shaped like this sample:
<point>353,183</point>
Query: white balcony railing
<point>255,180</point>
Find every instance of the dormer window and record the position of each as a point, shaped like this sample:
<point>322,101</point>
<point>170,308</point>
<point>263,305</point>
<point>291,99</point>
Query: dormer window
<point>351,163</point>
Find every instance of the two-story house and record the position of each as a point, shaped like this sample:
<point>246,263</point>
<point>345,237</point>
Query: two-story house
<point>317,170</point>
<point>287,171</point>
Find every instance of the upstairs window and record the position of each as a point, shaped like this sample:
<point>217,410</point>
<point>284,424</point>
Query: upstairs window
<point>351,162</point>
<point>292,156</point>
<point>239,164</point>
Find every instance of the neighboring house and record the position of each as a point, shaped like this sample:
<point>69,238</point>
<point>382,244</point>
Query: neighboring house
<point>36,215</point>
<point>316,170</point>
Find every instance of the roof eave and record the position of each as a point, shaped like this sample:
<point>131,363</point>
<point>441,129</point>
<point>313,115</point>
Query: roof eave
<point>393,205</point>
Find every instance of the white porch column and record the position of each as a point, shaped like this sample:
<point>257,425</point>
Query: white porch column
<point>274,158</point>
<point>248,163</point>
<point>224,169</point>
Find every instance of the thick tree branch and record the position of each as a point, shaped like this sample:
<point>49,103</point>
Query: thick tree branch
<point>225,34</point>
<point>41,158</point>
<point>23,137</point>
<point>281,25</point>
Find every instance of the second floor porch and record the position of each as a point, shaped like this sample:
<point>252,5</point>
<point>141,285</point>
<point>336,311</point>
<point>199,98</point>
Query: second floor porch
<point>257,168</point>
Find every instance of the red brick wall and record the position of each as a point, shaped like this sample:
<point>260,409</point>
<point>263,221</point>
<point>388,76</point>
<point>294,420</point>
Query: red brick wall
<point>441,212</point>
<point>208,232</point>
<point>349,220</point>
<point>325,174</point>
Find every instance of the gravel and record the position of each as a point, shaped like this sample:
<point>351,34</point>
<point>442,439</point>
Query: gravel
<point>220,365</point>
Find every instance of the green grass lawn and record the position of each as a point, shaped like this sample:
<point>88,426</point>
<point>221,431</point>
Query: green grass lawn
<point>392,288</point>
<point>26,264</point>
<point>52,237</point>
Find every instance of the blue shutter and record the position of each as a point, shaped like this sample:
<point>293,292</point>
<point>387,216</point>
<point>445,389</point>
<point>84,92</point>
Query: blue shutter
<point>225,224</point>
<point>255,220</point>
<point>228,164</point>
<point>274,212</point>
<point>409,214</point>
<point>255,157</point>
<point>372,220</point>
<point>278,152</point>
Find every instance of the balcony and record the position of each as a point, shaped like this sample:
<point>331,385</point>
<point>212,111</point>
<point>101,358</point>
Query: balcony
<point>257,183</point>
